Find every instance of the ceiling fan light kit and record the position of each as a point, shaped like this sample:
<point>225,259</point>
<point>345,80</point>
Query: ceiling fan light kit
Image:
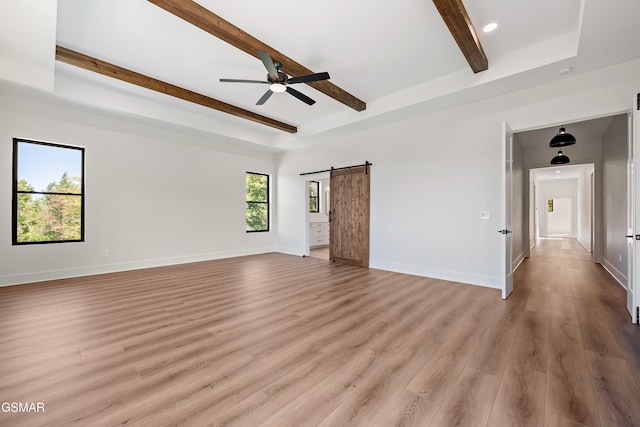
<point>277,87</point>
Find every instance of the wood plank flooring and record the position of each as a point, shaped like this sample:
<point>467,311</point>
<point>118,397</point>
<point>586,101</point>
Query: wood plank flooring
<point>320,252</point>
<point>277,340</point>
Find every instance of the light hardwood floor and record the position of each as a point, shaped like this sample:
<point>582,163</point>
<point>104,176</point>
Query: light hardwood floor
<point>322,252</point>
<point>277,340</point>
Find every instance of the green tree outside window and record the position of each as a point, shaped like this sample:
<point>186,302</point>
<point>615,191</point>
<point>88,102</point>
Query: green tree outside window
<point>314,200</point>
<point>257,202</point>
<point>48,198</point>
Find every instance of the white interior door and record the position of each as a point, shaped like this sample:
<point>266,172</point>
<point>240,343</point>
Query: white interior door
<point>633,210</point>
<point>507,197</point>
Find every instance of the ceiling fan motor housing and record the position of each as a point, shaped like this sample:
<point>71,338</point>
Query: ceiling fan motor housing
<point>282,77</point>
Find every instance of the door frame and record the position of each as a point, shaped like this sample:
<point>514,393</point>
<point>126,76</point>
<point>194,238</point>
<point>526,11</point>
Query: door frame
<point>319,176</point>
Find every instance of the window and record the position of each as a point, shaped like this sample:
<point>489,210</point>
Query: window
<point>257,202</point>
<point>48,193</point>
<point>314,200</point>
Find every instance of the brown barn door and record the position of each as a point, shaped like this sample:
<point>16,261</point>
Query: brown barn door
<point>349,216</point>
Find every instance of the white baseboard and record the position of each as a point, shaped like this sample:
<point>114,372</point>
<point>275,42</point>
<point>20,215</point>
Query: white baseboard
<point>435,273</point>
<point>518,261</point>
<point>620,277</point>
<point>290,251</point>
<point>41,276</point>
<point>584,245</point>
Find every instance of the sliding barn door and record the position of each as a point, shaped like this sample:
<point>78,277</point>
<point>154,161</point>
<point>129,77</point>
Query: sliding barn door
<point>349,216</point>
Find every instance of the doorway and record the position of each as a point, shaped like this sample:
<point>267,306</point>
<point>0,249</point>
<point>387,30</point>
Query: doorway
<point>598,207</point>
<point>318,190</point>
<point>337,205</point>
<point>563,203</point>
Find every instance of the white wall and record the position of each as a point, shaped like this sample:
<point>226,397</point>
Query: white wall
<point>585,208</point>
<point>153,197</point>
<point>614,254</point>
<point>560,221</point>
<point>558,189</point>
<point>432,176</point>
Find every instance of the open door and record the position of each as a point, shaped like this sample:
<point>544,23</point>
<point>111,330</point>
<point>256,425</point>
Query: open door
<point>632,212</point>
<point>349,215</point>
<point>507,197</point>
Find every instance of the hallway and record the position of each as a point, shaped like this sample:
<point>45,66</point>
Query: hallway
<point>578,333</point>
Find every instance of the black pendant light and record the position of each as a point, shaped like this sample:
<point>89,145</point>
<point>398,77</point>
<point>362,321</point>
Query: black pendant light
<point>562,139</point>
<point>560,159</point>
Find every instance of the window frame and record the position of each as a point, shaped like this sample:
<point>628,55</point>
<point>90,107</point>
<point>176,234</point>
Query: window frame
<point>15,192</point>
<point>316,197</point>
<point>267,203</point>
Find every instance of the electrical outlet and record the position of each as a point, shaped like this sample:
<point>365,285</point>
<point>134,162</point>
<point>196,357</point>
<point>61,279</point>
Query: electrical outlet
<point>104,252</point>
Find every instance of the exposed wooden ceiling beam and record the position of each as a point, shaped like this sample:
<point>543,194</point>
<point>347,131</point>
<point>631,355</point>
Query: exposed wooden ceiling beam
<point>455,16</point>
<point>208,21</point>
<point>96,65</point>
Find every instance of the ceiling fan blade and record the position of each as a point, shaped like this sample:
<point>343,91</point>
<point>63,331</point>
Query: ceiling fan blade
<point>268,64</point>
<point>242,81</point>
<point>301,96</point>
<point>309,78</point>
<point>264,97</point>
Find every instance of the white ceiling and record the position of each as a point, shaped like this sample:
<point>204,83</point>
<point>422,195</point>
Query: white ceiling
<point>392,55</point>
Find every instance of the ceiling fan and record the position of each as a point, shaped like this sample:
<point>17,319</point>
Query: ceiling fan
<point>279,81</point>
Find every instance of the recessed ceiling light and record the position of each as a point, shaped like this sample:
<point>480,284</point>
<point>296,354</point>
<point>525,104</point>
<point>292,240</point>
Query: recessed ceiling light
<point>558,171</point>
<point>490,27</point>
